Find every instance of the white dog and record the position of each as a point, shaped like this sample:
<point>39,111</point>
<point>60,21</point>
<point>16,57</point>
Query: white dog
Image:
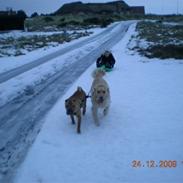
<point>100,94</point>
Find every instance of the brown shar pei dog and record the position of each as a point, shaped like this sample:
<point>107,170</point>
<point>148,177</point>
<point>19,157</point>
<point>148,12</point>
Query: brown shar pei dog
<point>74,104</point>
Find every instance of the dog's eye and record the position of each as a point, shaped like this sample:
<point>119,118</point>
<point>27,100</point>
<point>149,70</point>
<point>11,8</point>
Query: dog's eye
<point>98,91</point>
<point>103,92</point>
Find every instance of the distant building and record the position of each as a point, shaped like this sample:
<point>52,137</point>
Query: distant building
<point>12,20</point>
<point>8,12</point>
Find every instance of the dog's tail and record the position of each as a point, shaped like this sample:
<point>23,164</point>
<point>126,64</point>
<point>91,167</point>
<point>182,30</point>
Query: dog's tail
<point>97,73</point>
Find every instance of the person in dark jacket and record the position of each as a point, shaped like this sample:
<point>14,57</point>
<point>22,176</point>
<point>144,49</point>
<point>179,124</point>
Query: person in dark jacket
<point>106,61</point>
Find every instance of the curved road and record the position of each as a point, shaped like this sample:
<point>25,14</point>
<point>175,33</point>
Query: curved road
<point>22,118</point>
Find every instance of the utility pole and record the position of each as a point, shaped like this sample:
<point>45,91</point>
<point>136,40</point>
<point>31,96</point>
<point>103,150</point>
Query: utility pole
<point>162,6</point>
<point>177,7</point>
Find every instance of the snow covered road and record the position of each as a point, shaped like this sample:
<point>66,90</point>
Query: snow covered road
<point>144,124</point>
<point>22,117</point>
<point>17,71</point>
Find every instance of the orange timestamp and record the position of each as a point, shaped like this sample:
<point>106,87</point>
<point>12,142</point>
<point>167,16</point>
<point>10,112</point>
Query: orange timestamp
<point>156,164</point>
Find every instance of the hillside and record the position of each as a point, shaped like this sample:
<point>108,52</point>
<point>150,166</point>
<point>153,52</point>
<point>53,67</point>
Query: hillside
<point>115,7</point>
<point>80,15</point>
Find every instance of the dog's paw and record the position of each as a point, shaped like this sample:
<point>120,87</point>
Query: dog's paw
<point>78,132</point>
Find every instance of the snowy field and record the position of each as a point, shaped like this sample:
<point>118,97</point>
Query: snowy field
<point>144,124</point>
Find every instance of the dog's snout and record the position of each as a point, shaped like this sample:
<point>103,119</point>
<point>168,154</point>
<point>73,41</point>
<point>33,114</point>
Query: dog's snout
<point>69,111</point>
<point>101,99</point>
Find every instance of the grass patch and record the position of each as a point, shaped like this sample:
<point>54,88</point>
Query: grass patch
<point>159,40</point>
<point>160,33</point>
<point>44,23</point>
<point>82,20</point>
<point>11,46</point>
<point>163,52</point>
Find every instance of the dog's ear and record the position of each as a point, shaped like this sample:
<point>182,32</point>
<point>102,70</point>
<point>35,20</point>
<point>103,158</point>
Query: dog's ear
<point>94,90</point>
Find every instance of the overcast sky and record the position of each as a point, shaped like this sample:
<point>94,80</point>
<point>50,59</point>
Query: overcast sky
<point>49,6</point>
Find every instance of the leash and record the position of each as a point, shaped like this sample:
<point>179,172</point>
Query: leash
<point>88,96</point>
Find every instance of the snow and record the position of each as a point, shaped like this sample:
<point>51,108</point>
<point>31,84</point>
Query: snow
<point>17,34</point>
<point>8,63</point>
<point>144,123</point>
